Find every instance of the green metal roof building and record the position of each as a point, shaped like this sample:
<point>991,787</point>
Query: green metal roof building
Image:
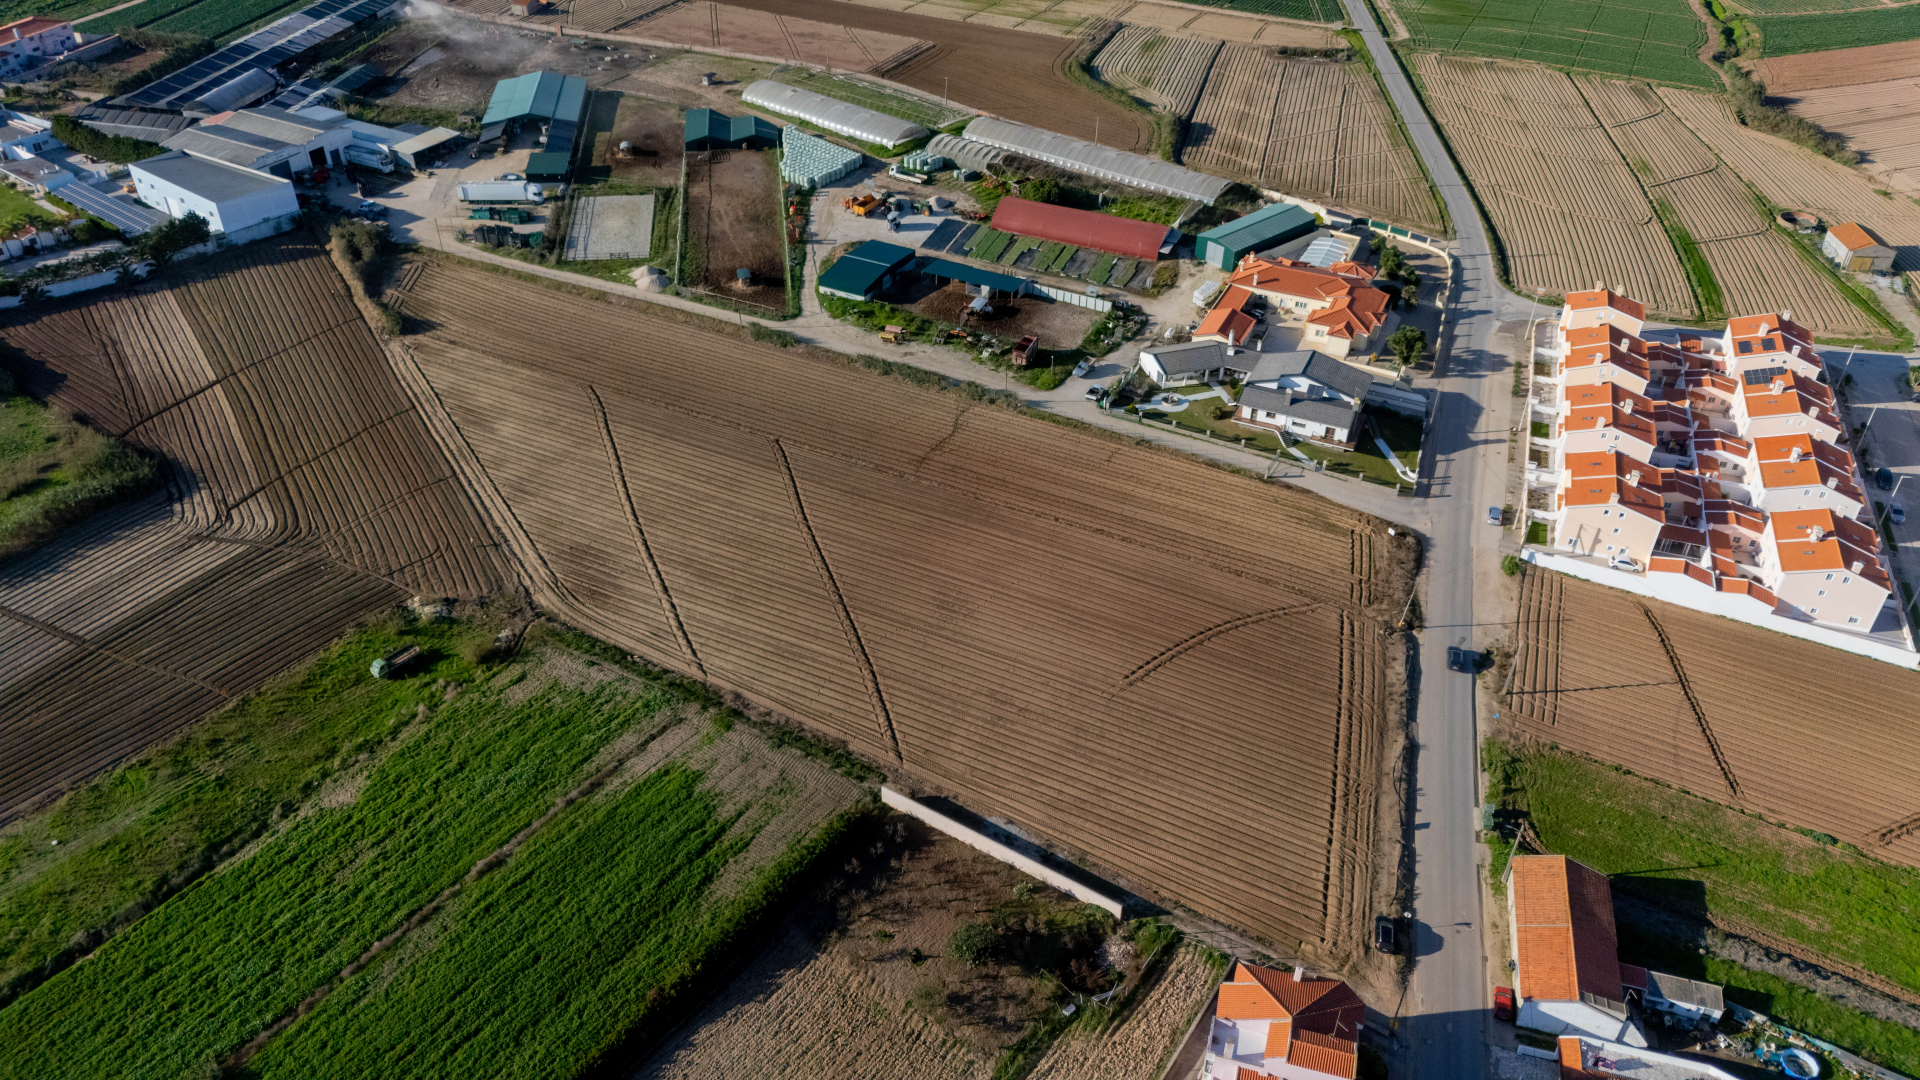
<point>558,103</point>
<point>865,270</point>
<point>1225,245</point>
<point>710,130</point>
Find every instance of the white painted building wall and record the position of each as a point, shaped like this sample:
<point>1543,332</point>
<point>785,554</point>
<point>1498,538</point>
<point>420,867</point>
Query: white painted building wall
<point>242,214</point>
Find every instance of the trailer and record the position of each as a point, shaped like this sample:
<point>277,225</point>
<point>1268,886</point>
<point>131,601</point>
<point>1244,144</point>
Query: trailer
<point>368,157</point>
<point>501,191</point>
<point>394,663</point>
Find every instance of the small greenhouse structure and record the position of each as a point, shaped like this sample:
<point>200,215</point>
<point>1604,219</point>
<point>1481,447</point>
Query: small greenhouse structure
<point>1092,159</point>
<point>811,162</point>
<point>833,115</point>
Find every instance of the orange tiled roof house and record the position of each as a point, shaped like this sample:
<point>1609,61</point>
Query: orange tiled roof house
<point>1566,951</point>
<point>1270,1023</point>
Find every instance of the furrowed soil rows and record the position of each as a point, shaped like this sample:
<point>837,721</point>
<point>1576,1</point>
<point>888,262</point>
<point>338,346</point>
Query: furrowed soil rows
<point>1800,179</point>
<point>1310,127</point>
<point>1142,1042</point>
<point>1568,209</point>
<point>305,491</point>
<point>1880,121</point>
<point>839,546</point>
<point>1839,67</point>
<point>1757,267</point>
<point>1592,675</point>
<point>1166,71</point>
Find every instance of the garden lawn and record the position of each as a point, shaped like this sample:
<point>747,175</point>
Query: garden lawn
<point>1647,39</point>
<point>17,208</point>
<point>1660,842</point>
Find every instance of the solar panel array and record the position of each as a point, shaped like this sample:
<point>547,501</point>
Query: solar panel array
<point>130,218</point>
<point>266,48</point>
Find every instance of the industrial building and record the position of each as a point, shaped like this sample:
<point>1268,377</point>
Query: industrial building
<point>831,114</point>
<point>233,77</point>
<point>555,102</point>
<point>1092,159</point>
<point>811,162</point>
<point>1084,228</point>
<point>241,203</point>
<point>267,139</point>
<point>710,130</point>
<point>1223,246</point>
<point>415,151</point>
<point>865,271</point>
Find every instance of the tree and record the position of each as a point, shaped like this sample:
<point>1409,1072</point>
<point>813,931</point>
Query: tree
<point>1393,262</point>
<point>1044,189</point>
<point>1406,345</point>
<point>115,148</point>
<point>167,241</point>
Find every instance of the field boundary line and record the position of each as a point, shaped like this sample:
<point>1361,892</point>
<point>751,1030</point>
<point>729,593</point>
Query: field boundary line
<point>79,642</point>
<point>1686,688</point>
<point>220,380</point>
<point>1180,648</point>
<point>839,604</point>
<point>667,607</point>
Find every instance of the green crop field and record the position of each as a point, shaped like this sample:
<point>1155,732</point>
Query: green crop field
<point>54,471</point>
<point>1784,34</point>
<point>1646,39</point>
<point>1329,11</point>
<point>551,846</point>
<point>219,18</point>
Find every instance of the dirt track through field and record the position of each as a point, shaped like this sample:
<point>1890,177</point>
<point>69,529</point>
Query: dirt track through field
<point>304,492</point>
<point>948,585</point>
<point>1793,730</point>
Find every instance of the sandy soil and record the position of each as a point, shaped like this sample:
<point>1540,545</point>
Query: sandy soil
<point>1057,325</point>
<point>654,128</point>
<point>732,207</point>
<point>1840,67</point>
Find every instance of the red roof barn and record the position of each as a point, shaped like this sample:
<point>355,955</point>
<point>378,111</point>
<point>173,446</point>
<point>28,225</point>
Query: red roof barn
<point>1081,228</point>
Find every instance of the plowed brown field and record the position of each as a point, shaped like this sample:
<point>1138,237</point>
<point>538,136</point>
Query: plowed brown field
<point>880,562</point>
<point>305,492</point>
<point>1796,731</point>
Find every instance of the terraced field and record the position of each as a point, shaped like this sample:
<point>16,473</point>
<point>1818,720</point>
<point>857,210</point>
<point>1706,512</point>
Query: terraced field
<point>1726,715</point>
<point>1309,127</point>
<point>1800,179</point>
<point>1166,71</point>
<point>304,491</point>
<point>1568,210</point>
<point>851,550</point>
<point>1756,267</point>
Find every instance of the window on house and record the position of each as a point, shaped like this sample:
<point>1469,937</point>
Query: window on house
<point>1813,611</point>
<point>1843,580</point>
<point>1829,577</point>
<point>1822,592</point>
<point>1616,529</point>
<point>1853,618</point>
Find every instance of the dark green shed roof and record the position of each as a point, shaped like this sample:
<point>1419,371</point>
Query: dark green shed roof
<point>708,124</point>
<point>858,271</point>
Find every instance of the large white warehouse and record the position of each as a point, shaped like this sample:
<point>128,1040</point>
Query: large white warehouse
<point>834,115</point>
<point>1092,159</point>
<point>244,204</point>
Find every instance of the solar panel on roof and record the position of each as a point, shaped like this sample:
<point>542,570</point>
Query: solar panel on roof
<point>1760,376</point>
<point>129,218</point>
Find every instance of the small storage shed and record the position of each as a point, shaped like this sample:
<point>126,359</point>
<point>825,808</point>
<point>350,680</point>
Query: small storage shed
<point>1224,245</point>
<point>1852,247</point>
<point>865,271</point>
<point>984,282</point>
<point>710,130</point>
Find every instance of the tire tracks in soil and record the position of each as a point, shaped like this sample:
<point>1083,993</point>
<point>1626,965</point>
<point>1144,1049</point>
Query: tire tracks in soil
<point>1699,714</point>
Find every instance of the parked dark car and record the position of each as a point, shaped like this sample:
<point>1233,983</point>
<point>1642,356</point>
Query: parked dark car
<point>1386,936</point>
<point>1883,478</point>
<point>1462,660</point>
<point>1503,1003</point>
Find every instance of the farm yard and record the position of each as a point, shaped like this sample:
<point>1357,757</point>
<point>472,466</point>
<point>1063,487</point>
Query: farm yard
<point>389,908</point>
<point>1752,265</point>
<point>1656,40</point>
<point>655,128</point>
<point>1879,120</point>
<point>1568,209</point>
<point>870,525</point>
<point>1058,326</point>
<point>1310,127</point>
<point>733,223</point>
<point>303,492</point>
<point>1798,179</point>
<point>1592,676</point>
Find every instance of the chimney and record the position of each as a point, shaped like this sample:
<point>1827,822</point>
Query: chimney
<point>1795,456</point>
<point>1633,478</point>
<point>1300,970</point>
<point>1786,316</point>
<point>1613,497</point>
<point>1858,565</point>
<point>1776,386</point>
<point>1833,483</point>
<point>1815,534</point>
<point>1796,351</point>
<point>1813,411</point>
<point>1626,406</point>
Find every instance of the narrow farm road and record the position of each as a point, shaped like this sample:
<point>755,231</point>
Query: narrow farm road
<point>1445,1015</point>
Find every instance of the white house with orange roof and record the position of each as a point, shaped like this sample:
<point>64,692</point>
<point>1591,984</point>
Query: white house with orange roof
<point>27,43</point>
<point>1600,305</point>
<point>1775,401</point>
<point>1769,340</point>
<point>1825,567</point>
<point>1611,507</point>
<point>1566,950</point>
<point>1339,311</point>
<point>1604,354</point>
<point>1269,1023</point>
<point>1599,417</point>
<point>1799,472</point>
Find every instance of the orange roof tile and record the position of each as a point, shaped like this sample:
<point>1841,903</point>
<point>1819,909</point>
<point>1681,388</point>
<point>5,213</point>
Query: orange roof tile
<point>1603,298</point>
<point>1563,917</point>
<point>1321,1014</point>
<point>1807,472</point>
<point>1594,478</point>
<point>1356,307</point>
<point>31,25</point>
<point>1842,543</point>
<point>1229,318</point>
<point>1847,232</point>
<point>1324,1053</point>
<point>1796,395</point>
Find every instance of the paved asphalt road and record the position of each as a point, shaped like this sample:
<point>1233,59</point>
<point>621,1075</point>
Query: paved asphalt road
<point>1445,1015</point>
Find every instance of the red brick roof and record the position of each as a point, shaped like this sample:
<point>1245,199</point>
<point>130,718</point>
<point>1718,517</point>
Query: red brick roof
<point>1563,918</point>
<point>1081,228</point>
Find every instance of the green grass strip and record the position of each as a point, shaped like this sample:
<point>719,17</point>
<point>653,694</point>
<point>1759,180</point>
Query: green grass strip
<point>1706,290</point>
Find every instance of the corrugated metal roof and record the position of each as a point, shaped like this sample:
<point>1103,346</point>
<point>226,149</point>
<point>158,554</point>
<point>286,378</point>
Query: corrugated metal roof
<point>1249,232</point>
<point>1082,228</point>
<point>1092,159</point>
<point>839,117</point>
<point>126,215</point>
<point>426,141</point>
<point>215,181</point>
<point>236,146</point>
<point>265,48</point>
<point>277,123</point>
<point>711,124</point>
<point>855,272</point>
<point>243,89</point>
<point>972,275</point>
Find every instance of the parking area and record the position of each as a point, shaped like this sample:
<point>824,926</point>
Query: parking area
<point>425,208</point>
<point>1880,398</point>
